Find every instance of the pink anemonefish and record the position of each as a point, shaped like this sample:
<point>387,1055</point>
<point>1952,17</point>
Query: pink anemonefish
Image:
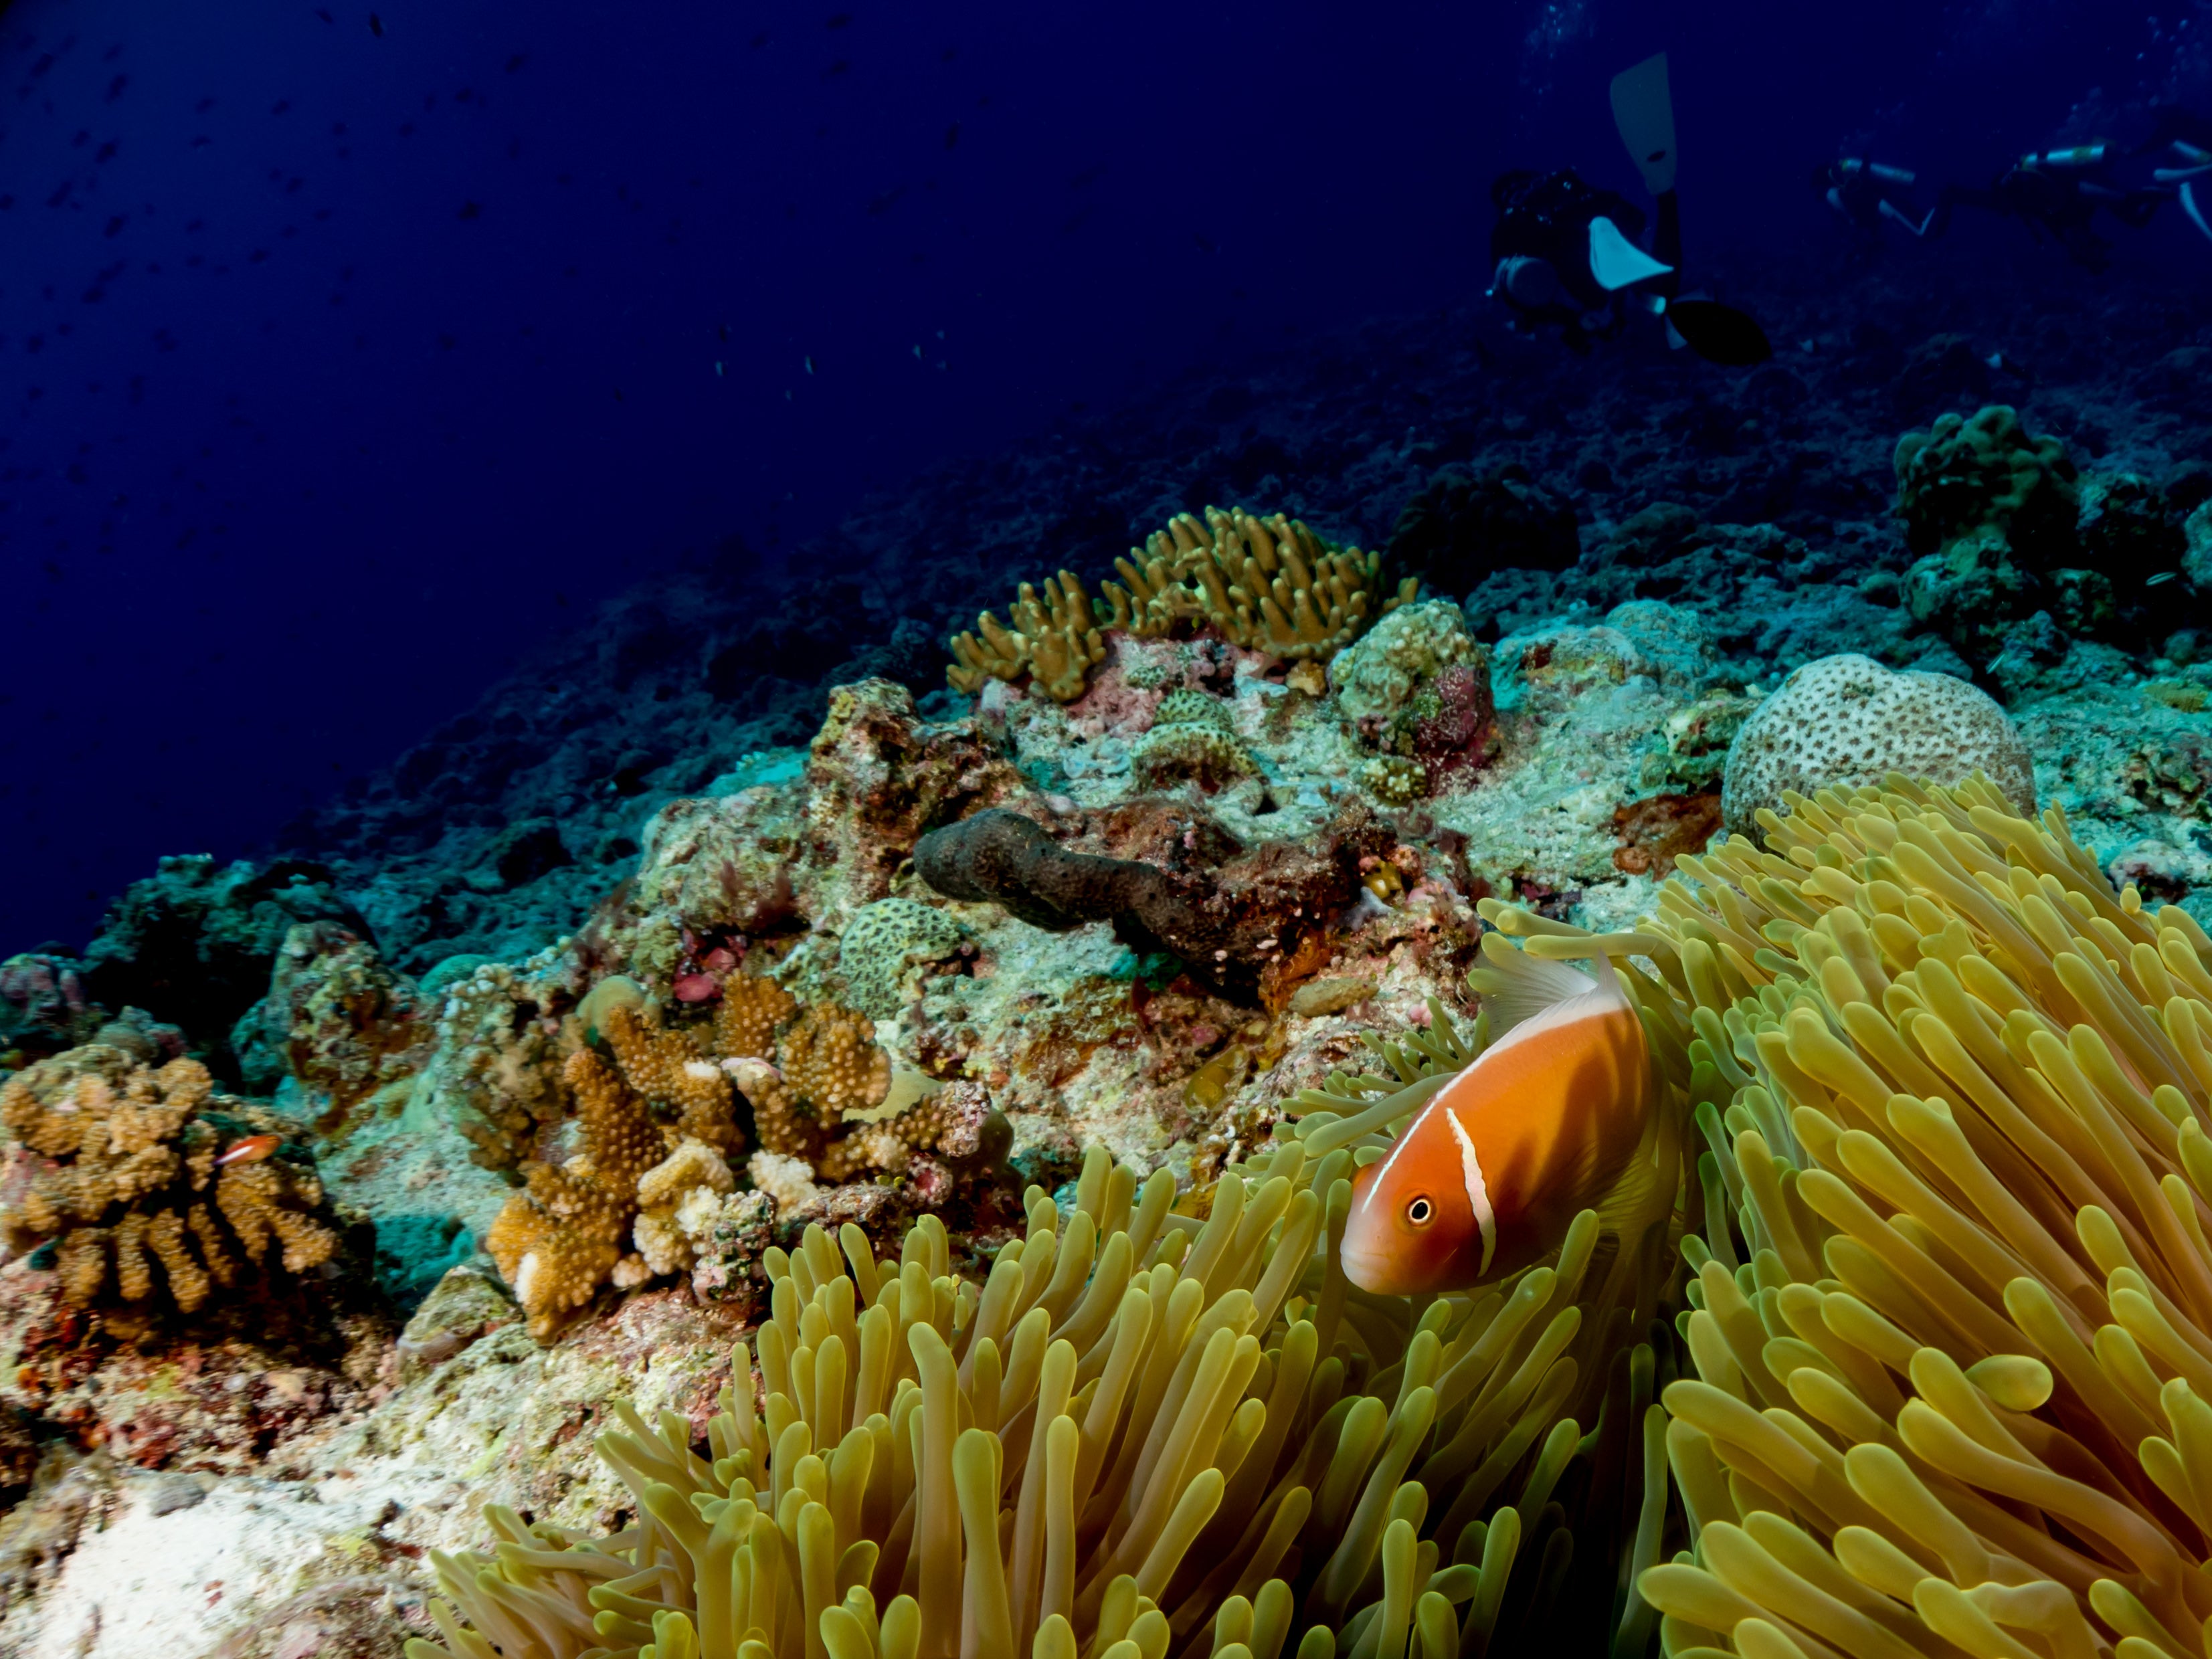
<point>1546,1122</point>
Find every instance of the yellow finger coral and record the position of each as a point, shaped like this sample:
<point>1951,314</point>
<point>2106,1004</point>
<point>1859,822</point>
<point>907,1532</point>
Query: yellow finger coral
<point>1054,641</point>
<point>1143,1433</point>
<point>1269,585</point>
<point>146,1179</point>
<point>1953,1321</point>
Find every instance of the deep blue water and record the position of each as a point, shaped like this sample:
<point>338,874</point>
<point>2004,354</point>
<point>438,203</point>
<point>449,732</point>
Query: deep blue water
<point>338,366</point>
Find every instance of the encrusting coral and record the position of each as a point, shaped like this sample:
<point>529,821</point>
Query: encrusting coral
<point>1952,1335</point>
<point>656,1129</point>
<point>1269,585</point>
<point>126,1168</point>
<point>1147,1433</point>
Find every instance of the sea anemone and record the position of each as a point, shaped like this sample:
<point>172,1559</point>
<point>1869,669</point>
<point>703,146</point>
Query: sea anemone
<point>1953,1377</point>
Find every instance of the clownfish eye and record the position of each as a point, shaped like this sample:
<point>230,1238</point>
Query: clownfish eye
<point>1420,1213</point>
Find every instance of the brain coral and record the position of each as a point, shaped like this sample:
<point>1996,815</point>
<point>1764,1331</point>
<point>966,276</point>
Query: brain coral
<point>1193,738</point>
<point>882,941</point>
<point>1988,473</point>
<point>1846,720</point>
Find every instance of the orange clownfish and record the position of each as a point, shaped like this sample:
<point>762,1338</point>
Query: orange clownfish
<point>1546,1122</point>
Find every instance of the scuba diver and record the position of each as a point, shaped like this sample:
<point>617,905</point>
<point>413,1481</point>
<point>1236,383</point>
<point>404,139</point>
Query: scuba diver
<point>1867,192</point>
<point>1565,254</point>
<point>2059,193</point>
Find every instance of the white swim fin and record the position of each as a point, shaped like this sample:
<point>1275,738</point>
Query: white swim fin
<point>1644,110</point>
<point>2196,214</point>
<point>1615,261</point>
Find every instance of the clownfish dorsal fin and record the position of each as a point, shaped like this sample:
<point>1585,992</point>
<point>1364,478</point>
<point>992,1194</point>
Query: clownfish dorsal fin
<point>1516,987</point>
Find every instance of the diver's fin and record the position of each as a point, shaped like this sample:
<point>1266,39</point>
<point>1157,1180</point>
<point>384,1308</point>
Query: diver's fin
<point>1615,261</point>
<point>1718,333</point>
<point>1891,210</point>
<point>2196,214</point>
<point>1644,110</point>
<point>1516,987</point>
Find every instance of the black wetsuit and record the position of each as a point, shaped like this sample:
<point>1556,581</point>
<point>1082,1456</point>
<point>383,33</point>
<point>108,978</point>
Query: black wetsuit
<point>1866,194</point>
<point>1544,218</point>
<point>2059,201</point>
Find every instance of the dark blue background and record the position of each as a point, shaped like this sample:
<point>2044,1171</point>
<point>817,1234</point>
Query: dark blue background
<point>336,367</point>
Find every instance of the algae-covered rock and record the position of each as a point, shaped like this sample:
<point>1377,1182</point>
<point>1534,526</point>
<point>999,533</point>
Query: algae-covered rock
<point>1847,720</point>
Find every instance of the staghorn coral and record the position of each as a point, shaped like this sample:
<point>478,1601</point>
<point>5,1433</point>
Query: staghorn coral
<point>1269,585</point>
<point>1846,720</point>
<point>147,1180</point>
<point>649,1183</point>
<point>1141,1433</point>
<point>1952,1291</point>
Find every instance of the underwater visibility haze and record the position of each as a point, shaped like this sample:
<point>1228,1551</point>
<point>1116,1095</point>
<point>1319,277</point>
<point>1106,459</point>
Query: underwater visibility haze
<point>1105,832</point>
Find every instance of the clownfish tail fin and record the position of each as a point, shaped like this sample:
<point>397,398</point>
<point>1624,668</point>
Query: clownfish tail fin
<point>1635,1199</point>
<point>1514,985</point>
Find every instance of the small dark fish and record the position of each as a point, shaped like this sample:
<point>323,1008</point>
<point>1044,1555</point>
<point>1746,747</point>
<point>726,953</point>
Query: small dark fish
<point>204,106</point>
<point>879,205</point>
<point>1084,179</point>
<point>758,40</point>
<point>1205,243</point>
<point>952,135</point>
<point>838,19</point>
<point>115,86</point>
<point>280,107</point>
<point>1720,334</point>
<point>469,210</point>
<point>376,25</point>
<point>252,1150</point>
<point>324,13</point>
<point>836,69</point>
<point>722,331</point>
<point>517,62</point>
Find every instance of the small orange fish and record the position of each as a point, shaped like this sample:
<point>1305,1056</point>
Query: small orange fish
<point>252,1150</point>
<point>1544,1123</point>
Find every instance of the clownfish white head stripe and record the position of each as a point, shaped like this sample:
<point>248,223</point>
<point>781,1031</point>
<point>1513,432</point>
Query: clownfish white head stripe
<point>1542,1124</point>
<point>1478,1193</point>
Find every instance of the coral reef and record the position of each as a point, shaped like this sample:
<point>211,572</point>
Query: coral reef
<point>1267,584</point>
<point>1054,641</point>
<point>1949,1384</point>
<point>1418,688</point>
<point>1241,1475</point>
<point>1227,923</point>
<point>146,1182</point>
<point>1193,739</point>
<point>657,1126</point>
<point>1961,476</point>
<point>1847,720</point>
<point>883,942</point>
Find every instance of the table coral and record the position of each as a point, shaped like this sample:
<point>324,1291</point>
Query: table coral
<point>127,1170</point>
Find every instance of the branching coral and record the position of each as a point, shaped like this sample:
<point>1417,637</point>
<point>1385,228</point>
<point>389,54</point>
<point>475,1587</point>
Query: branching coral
<point>1954,1326</point>
<point>1054,641</point>
<point>657,1127</point>
<point>1141,1434</point>
<point>127,1170</point>
<point>1269,585</point>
